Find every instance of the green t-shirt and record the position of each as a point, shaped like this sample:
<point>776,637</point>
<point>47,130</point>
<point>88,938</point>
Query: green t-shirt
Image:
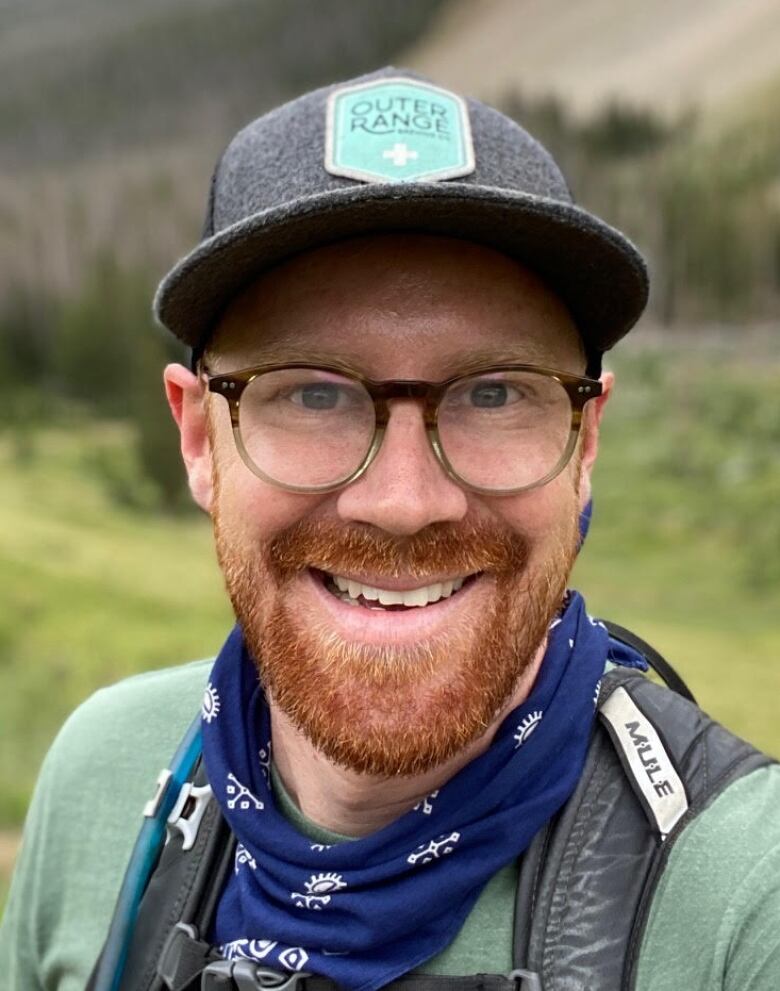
<point>714,923</point>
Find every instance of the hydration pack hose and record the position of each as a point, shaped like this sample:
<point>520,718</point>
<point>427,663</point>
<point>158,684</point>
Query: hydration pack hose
<point>143,859</point>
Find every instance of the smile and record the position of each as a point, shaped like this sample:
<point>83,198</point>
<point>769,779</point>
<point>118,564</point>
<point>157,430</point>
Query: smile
<point>359,615</point>
<point>357,593</point>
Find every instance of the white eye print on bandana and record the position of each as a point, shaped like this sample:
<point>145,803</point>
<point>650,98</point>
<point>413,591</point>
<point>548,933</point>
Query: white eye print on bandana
<point>526,727</point>
<point>243,856</point>
<point>433,850</point>
<point>596,693</point>
<point>319,847</point>
<point>595,622</point>
<point>239,796</point>
<point>293,958</point>
<point>425,805</point>
<point>319,889</point>
<point>247,949</point>
<point>264,755</point>
<point>211,705</point>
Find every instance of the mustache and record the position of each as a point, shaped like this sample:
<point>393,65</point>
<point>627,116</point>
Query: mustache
<point>439,548</point>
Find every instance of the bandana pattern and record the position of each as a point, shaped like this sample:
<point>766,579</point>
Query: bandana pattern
<point>366,911</point>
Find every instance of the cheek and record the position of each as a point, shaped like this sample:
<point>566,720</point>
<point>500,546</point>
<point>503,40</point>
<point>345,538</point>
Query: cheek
<point>250,511</point>
<point>247,508</point>
<point>541,513</point>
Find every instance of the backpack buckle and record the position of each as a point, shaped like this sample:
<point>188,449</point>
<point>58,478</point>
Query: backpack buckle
<point>245,975</point>
<point>186,815</point>
<point>525,980</point>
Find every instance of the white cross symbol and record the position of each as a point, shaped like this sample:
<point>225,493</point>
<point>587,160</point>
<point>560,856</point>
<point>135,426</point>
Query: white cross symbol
<point>400,154</point>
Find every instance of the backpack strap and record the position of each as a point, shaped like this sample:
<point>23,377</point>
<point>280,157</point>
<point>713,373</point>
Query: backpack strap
<point>657,661</point>
<point>587,880</point>
<point>181,898</point>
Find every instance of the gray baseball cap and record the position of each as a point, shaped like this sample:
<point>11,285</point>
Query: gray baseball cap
<point>391,151</point>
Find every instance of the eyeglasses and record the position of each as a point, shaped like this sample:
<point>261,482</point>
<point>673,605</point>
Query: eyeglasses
<point>500,429</point>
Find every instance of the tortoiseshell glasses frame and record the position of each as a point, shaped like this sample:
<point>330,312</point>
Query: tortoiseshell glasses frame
<point>232,386</point>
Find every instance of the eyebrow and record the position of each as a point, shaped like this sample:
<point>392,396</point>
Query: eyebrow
<point>467,359</point>
<point>456,362</point>
<point>280,354</point>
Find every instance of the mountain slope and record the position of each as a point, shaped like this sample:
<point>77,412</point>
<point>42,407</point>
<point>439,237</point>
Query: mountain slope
<point>666,54</point>
<point>86,77</point>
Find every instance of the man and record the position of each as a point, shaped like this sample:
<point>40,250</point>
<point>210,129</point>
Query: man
<point>397,318</point>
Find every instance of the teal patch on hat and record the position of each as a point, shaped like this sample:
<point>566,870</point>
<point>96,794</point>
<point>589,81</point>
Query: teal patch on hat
<point>398,130</point>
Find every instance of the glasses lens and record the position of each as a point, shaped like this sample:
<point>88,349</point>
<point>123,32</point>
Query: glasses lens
<point>306,427</point>
<point>505,429</point>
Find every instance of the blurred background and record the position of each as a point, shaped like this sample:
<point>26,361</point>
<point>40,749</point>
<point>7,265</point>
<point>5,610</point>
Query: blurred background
<point>664,117</point>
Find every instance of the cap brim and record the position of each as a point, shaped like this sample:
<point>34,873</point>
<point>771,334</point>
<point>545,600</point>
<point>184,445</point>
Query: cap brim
<point>596,270</point>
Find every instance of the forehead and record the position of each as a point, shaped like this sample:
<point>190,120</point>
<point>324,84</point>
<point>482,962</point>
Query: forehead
<point>398,305</point>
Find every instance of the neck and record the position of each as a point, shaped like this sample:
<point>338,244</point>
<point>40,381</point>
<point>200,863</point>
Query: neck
<point>353,804</point>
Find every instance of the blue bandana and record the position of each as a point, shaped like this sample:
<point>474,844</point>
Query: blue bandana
<point>366,911</point>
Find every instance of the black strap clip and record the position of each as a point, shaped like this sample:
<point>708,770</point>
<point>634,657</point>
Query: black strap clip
<point>183,957</point>
<point>525,980</point>
<point>245,975</point>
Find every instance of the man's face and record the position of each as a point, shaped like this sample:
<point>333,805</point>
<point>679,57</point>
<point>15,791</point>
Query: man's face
<point>393,690</point>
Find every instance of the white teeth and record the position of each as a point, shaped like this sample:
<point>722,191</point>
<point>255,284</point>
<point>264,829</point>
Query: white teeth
<point>434,592</point>
<point>352,590</point>
<point>390,598</point>
<point>416,597</point>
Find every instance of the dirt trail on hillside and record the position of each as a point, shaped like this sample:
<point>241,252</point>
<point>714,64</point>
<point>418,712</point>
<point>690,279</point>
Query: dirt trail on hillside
<point>669,54</point>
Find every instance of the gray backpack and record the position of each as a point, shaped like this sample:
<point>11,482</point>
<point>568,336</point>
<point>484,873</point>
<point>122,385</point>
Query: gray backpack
<point>585,885</point>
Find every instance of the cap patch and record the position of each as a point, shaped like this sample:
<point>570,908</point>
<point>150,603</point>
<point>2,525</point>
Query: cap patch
<point>398,130</point>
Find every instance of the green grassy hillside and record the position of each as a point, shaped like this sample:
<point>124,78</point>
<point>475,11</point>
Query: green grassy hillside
<point>683,550</point>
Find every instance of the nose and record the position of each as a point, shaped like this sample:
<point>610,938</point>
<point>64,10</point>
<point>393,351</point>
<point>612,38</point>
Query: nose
<point>405,488</point>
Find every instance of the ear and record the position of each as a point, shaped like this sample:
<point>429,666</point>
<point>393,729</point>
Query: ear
<point>184,391</point>
<point>594,411</point>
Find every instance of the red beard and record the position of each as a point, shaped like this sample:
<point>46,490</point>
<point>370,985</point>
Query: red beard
<point>390,709</point>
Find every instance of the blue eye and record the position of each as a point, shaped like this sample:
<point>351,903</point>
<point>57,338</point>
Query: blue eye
<point>489,395</point>
<point>319,395</point>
